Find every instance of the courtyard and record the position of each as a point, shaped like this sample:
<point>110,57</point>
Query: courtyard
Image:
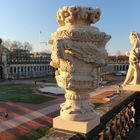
<point>31,118</point>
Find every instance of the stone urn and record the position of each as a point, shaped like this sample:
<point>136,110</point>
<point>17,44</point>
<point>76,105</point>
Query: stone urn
<point>78,52</point>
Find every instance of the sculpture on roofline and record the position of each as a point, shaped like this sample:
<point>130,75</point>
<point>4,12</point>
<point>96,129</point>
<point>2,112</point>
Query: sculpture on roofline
<point>133,74</point>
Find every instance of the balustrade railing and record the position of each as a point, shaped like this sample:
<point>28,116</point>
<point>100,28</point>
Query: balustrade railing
<point>118,118</point>
<point>120,125</point>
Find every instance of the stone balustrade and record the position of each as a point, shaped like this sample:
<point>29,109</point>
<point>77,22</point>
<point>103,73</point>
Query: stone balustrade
<point>119,118</point>
<point>119,121</point>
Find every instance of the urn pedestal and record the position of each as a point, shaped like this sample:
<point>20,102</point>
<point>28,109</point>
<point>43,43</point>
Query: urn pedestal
<point>78,52</point>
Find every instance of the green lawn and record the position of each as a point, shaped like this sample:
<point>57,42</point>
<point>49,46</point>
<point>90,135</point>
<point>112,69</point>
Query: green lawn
<point>36,134</point>
<point>51,80</point>
<point>48,80</point>
<point>21,93</point>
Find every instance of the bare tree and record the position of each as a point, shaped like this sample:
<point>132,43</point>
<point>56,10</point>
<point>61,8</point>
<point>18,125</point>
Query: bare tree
<point>16,45</point>
<point>11,45</point>
<point>27,46</point>
<point>7,44</point>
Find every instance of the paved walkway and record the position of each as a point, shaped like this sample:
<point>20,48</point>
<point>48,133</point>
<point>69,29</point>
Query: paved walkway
<point>44,111</point>
<point>104,89</point>
<point>28,117</point>
<point>32,116</point>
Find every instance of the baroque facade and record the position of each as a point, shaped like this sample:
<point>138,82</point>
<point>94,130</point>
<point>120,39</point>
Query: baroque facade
<point>116,64</point>
<point>21,64</point>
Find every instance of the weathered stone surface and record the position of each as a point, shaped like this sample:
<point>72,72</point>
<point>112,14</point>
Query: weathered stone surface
<point>76,126</point>
<point>78,51</point>
<point>61,135</point>
<point>130,88</point>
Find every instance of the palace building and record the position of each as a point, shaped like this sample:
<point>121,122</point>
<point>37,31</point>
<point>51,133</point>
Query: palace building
<point>116,64</point>
<point>21,64</point>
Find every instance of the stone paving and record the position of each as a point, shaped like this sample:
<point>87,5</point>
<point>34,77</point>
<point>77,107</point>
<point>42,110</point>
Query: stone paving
<point>28,117</point>
<point>20,130</point>
<point>23,117</point>
<point>18,109</point>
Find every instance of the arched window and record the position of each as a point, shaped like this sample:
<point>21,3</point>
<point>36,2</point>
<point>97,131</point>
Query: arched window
<point>114,67</point>
<point>127,67</point>
<point>123,67</point>
<point>14,69</point>
<point>117,67</point>
<point>120,67</point>
<point>28,68</point>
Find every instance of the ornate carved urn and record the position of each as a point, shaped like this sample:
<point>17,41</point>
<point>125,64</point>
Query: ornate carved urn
<point>78,51</point>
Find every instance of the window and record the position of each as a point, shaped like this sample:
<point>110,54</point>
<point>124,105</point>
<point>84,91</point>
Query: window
<point>14,69</point>
<point>11,70</point>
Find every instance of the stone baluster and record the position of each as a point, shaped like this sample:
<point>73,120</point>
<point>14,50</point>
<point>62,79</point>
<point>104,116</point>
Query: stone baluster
<point>120,126</point>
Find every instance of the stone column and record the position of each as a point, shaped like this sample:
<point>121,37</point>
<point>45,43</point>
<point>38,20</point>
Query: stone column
<point>78,51</point>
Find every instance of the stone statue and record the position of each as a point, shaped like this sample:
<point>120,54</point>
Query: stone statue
<point>133,74</point>
<point>78,52</point>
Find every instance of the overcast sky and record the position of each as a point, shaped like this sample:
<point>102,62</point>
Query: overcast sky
<point>22,20</point>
